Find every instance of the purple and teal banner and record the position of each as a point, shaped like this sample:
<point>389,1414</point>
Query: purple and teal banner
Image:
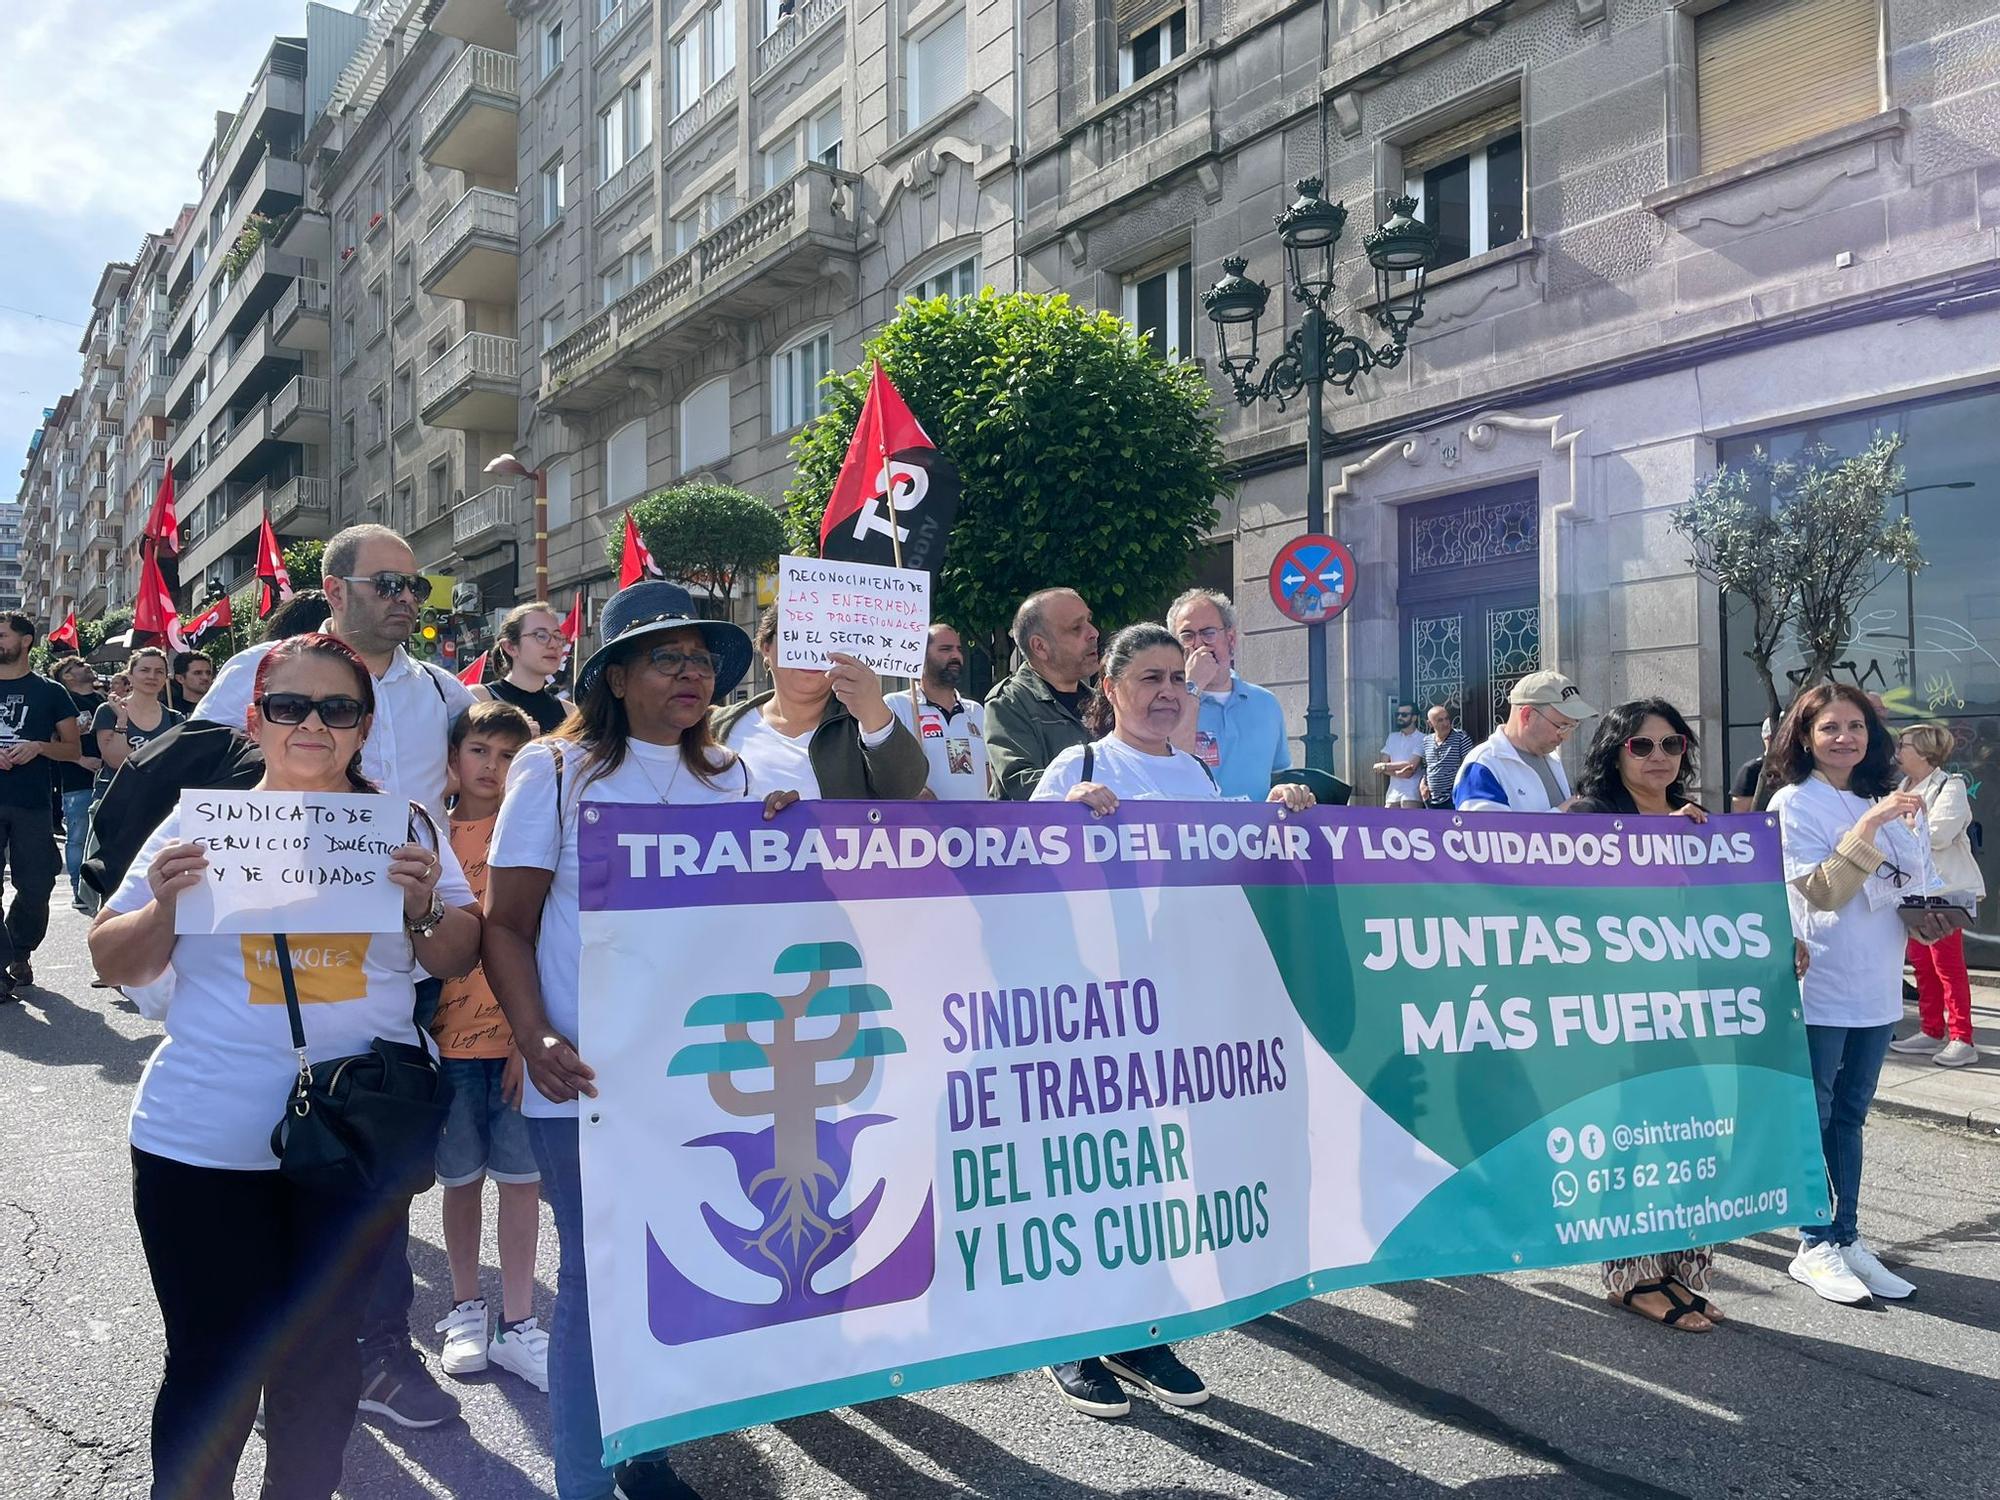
<point>899,1095</point>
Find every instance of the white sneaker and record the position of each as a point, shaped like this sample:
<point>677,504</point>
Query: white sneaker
<point>523,1348</point>
<point>1922,1044</point>
<point>1956,1055</point>
<point>1871,1273</point>
<point>464,1330</point>
<point>1825,1270</point>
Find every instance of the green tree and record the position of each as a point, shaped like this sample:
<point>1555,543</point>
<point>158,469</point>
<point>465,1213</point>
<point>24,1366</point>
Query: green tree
<point>705,535</point>
<point>1085,460</point>
<point>302,563</point>
<point>1801,542</point>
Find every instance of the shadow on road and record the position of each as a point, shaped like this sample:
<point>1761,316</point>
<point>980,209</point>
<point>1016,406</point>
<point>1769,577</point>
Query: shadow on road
<point>45,1026</point>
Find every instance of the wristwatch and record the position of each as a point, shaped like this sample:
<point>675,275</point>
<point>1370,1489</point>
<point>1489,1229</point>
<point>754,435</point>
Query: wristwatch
<point>428,923</point>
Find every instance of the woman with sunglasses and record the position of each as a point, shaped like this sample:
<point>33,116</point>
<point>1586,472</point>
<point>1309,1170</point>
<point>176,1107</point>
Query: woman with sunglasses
<point>641,733</point>
<point>261,1282</point>
<point>523,663</point>
<point>1639,764</point>
<point>1854,845</point>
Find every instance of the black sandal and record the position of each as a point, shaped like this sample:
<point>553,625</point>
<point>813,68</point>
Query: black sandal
<point>1696,1302</point>
<point>1680,1307</point>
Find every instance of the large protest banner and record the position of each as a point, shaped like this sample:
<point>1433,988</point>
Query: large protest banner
<point>898,1096</point>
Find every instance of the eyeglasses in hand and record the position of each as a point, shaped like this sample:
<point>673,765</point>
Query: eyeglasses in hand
<point>1890,871</point>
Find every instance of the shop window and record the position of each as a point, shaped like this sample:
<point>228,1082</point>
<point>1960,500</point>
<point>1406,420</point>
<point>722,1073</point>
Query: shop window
<point>1469,183</point>
<point>1770,73</point>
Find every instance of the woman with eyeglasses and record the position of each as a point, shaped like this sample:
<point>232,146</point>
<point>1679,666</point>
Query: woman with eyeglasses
<point>1639,763</point>
<point>1854,845</point>
<point>261,1282</point>
<point>641,733</point>
<point>524,662</point>
<point>823,733</point>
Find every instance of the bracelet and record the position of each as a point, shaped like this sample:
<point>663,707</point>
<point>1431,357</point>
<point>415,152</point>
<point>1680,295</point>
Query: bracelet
<point>430,921</point>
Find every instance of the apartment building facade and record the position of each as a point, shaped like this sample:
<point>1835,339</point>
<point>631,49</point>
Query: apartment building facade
<point>10,553</point>
<point>417,184</point>
<point>102,399</point>
<point>143,427</point>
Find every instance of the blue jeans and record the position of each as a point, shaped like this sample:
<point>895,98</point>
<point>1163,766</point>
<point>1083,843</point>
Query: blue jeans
<point>573,1420</point>
<point>76,829</point>
<point>1846,1064</point>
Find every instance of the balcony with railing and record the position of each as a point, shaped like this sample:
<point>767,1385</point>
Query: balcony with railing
<point>468,121</point>
<point>761,256</point>
<point>795,31</point>
<point>715,102</point>
<point>300,317</point>
<point>473,254</point>
<point>624,182</point>
<point>301,411</point>
<point>474,386</point>
<point>486,518</point>
<point>303,506</point>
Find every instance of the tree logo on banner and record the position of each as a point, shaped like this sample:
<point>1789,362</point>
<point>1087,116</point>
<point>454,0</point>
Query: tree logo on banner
<point>792,1171</point>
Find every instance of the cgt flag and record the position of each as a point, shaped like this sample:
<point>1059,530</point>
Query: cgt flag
<point>153,612</point>
<point>635,562</point>
<point>896,496</point>
<point>217,616</point>
<point>65,635</point>
<point>271,571</point>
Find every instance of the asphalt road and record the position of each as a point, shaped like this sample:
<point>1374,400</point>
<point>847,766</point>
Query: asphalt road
<point>1496,1387</point>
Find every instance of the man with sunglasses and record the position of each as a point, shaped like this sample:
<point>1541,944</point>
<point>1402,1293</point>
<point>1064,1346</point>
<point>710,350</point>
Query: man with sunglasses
<point>1519,768</point>
<point>1402,760</point>
<point>1239,727</point>
<point>376,595</point>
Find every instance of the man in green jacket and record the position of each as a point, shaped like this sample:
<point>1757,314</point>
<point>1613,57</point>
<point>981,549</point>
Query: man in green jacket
<point>1036,714</point>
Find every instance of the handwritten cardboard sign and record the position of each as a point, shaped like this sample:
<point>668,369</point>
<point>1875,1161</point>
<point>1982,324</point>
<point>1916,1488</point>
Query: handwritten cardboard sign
<point>293,862</point>
<point>879,615</point>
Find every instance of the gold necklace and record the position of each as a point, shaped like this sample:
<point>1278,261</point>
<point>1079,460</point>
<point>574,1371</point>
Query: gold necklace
<point>647,772</point>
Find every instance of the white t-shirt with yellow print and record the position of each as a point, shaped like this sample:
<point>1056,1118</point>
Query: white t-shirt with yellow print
<point>216,1085</point>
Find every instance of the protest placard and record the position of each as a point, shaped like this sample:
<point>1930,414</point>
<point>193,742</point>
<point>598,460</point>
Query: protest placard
<point>293,862</point>
<point>900,1095</point>
<point>879,615</point>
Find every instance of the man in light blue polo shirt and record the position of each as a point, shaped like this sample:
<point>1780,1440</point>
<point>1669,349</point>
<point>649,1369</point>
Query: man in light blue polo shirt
<point>1239,728</point>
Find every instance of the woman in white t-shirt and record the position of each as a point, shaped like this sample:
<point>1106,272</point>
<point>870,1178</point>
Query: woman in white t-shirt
<point>1142,694</point>
<point>1854,847</point>
<point>641,733</point>
<point>262,1283</point>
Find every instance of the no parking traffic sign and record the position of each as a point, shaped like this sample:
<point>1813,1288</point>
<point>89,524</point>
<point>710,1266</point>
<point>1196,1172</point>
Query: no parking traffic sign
<point>1312,578</point>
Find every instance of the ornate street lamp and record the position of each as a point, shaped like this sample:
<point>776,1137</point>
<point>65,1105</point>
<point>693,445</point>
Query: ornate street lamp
<point>1402,249</point>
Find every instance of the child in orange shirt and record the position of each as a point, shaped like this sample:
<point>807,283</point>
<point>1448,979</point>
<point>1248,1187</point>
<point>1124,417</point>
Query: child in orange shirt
<point>484,1134</point>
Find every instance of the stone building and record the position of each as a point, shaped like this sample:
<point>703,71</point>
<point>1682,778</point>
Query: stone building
<point>415,186</point>
<point>101,397</point>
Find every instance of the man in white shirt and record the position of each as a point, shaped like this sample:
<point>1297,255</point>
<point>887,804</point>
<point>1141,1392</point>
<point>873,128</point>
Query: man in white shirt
<point>376,595</point>
<point>950,727</point>
<point>1519,769</point>
<point>1403,759</point>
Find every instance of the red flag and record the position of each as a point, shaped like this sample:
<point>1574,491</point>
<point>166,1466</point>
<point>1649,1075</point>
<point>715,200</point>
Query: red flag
<point>163,527</point>
<point>153,612</point>
<point>572,627</point>
<point>271,571</point>
<point>636,561</point>
<point>891,460</point>
<point>216,617</point>
<point>474,674</point>
<point>66,636</point>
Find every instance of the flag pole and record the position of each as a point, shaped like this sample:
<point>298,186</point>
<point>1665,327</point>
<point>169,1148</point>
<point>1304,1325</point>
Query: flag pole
<point>888,481</point>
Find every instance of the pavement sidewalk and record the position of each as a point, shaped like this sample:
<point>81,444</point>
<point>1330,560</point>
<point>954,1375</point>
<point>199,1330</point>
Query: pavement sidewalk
<point>1918,1088</point>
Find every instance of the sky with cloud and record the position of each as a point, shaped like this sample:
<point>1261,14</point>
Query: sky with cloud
<point>106,107</point>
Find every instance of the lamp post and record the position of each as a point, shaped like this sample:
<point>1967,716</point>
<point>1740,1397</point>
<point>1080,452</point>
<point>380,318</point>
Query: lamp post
<point>511,466</point>
<point>1320,352</point>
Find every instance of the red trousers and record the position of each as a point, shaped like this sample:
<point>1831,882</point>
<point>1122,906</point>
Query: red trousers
<point>1944,994</point>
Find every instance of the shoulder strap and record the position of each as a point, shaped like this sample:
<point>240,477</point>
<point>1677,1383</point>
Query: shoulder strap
<point>420,813</point>
<point>1208,771</point>
<point>284,952</point>
<point>556,754</point>
<point>1089,759</point>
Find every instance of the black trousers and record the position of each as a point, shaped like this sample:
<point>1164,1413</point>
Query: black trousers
<point>28,843</point>
<point>392,1292</point>
<point>261,1285</point>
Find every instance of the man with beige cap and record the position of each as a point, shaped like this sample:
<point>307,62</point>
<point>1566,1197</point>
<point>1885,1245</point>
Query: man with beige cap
<point>1518,768</point>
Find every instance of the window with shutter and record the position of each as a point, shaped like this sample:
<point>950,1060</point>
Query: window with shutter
<point>1770,73</point>
<point>1469,181</point>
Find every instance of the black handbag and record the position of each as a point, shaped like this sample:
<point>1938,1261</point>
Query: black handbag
<point>365,1125</point>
